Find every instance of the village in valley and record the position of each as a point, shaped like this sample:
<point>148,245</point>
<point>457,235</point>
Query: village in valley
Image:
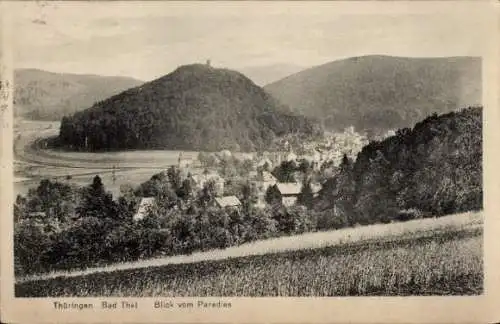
<point>275,177</point>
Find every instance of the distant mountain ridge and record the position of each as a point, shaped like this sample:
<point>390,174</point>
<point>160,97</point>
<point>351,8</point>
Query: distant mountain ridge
<point>196,107</point>
<point>381,92</point>
<point>265,74</point>
<point>43,95</point>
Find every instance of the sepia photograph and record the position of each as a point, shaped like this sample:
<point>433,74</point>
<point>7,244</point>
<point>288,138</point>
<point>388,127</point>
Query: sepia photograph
<point>168,150</point>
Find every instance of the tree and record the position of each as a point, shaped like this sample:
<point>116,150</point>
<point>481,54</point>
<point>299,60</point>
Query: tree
<point>20,208</point>
<point>249,196</point>
<point>286,171</point>
<point>55,199</point>
<point>207,194</point>
<point>31,241</point>
<point>376,202</point>
<point>300,220</point>
<point>126,208</point>
<point>305,167</point>
<point>166,197</point>
<point>187,189</point>
<point>97,202</point>
<point>346,163</point>
<point>174,177</point>
<point>306,195</point>
<point>272,195</point>
<point>203,157</point>
<point>246,166</point>
<point>227,167</point>
<point>262,224</point>
<point>127,192</point>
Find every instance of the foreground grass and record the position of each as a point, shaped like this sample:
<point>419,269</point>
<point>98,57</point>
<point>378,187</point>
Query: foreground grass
<point>362,234</point>
<point>440,263</point>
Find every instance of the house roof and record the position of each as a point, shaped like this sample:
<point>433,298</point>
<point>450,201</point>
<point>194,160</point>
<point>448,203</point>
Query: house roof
<point>246,156</point>
<point>288,188</point>
<point>228,201</point>
<point>291,156</point>
<point>268,176</point>
<point>316,187</point>
<point>263,161</point>
<point>202,177</point>
<point>144,205</point>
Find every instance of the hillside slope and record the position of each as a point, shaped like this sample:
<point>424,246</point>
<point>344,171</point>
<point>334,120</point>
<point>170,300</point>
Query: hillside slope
<point>433,169</point>
<point>43,95</point>
<point>265,74</point>
<point>381,92</point>
<point>196,107</point>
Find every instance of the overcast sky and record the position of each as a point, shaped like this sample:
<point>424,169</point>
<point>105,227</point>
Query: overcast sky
<point>149,39</point>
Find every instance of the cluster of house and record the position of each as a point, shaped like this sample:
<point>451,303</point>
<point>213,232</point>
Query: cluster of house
<point>333,146</point>
<point>260,177</point>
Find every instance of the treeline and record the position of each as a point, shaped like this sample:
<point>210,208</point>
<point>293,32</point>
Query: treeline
<point>196,107</point>
<point>433,169</point>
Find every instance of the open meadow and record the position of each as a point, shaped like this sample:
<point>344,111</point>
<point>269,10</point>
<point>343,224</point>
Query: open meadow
<point>34,163</point>
<point>442,256</point>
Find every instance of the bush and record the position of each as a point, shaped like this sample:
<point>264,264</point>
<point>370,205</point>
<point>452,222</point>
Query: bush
<point>409,214</point>
<point>328,220</point>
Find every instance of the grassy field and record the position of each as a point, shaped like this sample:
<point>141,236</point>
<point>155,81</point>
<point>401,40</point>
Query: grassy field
<point>34,164</point>
<point>33,131</point>
<point>83,177</point>
<point>444,259</point>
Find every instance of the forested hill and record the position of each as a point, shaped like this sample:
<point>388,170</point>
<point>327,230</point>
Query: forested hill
<point>433,169</point>
<point>196,107</point>
<point>381,92</point>
<point>43,95</point>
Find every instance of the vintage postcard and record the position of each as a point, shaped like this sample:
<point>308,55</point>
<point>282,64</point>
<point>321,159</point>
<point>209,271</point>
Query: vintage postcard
<point>221,162</point>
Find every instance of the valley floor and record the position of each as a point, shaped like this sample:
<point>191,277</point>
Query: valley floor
<point>436,256</point>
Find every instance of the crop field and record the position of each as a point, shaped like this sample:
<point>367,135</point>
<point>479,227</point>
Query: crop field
<point>446,260</point>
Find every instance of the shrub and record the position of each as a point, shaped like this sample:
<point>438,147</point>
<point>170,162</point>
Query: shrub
<point>409,214</point>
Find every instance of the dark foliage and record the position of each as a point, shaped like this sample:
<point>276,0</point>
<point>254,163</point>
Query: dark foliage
<point>433,169</point>
<point>102,231</point>
<point>196,107</point>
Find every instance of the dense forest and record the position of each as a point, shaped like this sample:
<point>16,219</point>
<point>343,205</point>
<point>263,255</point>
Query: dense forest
<point>42,95</point>
<point>196,107</point>
<point>433,169</point>
<point>380,93</point>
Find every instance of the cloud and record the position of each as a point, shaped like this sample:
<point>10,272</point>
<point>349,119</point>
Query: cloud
<point>148,39</point>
